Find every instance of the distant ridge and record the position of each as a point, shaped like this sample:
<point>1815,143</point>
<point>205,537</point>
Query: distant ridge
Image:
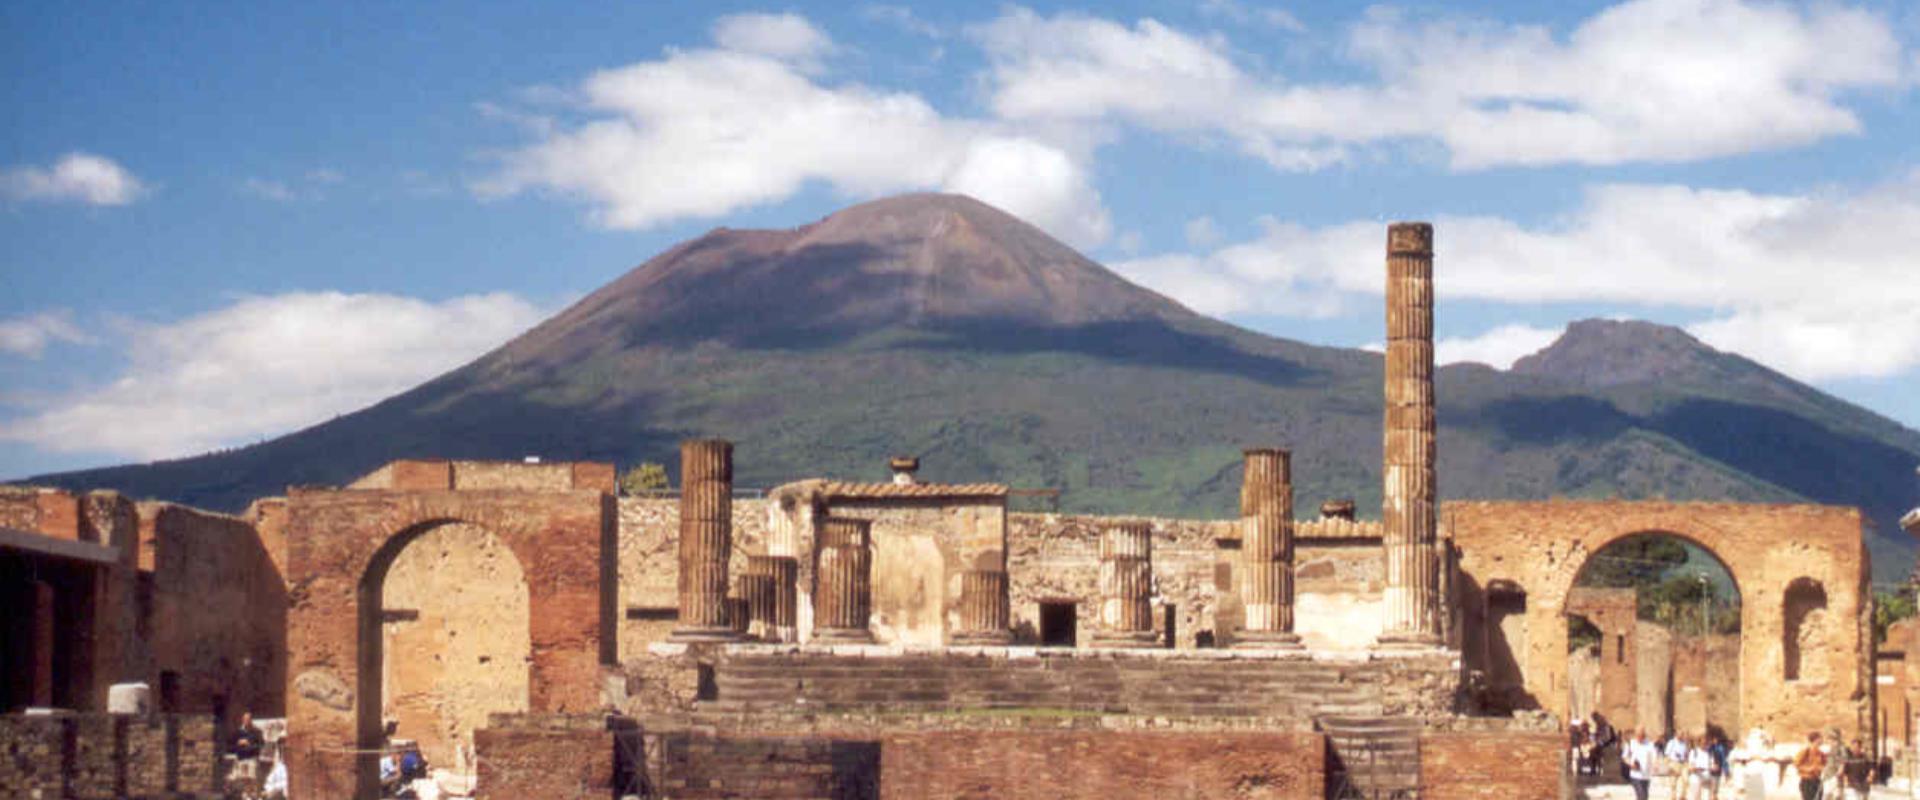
<point>938,325</point>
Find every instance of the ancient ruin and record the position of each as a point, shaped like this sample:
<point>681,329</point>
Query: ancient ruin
<point>528,626</point>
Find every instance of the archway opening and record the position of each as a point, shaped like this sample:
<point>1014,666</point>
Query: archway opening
<point>444,642</point>
<point>1655,620</point>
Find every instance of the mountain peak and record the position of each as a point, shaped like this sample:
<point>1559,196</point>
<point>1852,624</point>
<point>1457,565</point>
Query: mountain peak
<point>1605,352</point>
<point>915,260</point>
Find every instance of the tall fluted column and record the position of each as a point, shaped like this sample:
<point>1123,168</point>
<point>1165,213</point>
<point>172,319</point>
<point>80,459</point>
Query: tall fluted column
<point>1126,586</point>
<point>1266,549</point>
<point>1408,499</point>
<point>983,608</point>
<point>706,539</point>
<point>777,621</point>
<point>843,600</point>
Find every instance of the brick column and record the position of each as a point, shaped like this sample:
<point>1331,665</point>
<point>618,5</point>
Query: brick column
<point>983,608</point>
<point>1408,505</point>
<point>1126,586</point>
<point>843,599</point>
<point>1266,550</point>
<point>776,621</point>
<point>40,646</point>
<point>706,539</point>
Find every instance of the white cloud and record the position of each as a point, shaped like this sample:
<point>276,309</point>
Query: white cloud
<point>1646,80</point>
<point>1497,348</point>
<point>76,177</point>
<point>786,37</point>
<point>29,335</point>
<point>267,189</point>
<point>1202,232</point>
<point>903,18</point>
<point>267,365</point>
<point>1818,285</point>
<point>703,133</point>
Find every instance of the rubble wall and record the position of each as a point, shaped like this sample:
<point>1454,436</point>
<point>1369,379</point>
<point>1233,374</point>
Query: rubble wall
<point>95,756</point>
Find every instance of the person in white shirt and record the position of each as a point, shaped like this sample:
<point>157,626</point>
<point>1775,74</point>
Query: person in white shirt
<point>1700,769</point>
<point>1639,756</point>
<point>1676,765</point>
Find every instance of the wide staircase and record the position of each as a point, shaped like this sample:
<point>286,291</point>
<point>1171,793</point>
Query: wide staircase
<point>1294,689</point>
<point>1373,757</point>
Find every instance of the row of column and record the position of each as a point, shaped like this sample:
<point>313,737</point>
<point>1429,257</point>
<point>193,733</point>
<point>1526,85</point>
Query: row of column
<point>766,605</point>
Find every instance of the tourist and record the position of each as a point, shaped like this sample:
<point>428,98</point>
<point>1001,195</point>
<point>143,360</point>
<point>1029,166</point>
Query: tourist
<point>1638,757</point>
<point>1836,750</point>
<point>1721,750</point>
<point>1857,773</point>
<point>1701,779</point>
<point>1675,764</point>
<point>1604,738</point>
<point>1810,763</point>
<point>275,787</point>
<point>247,739</point>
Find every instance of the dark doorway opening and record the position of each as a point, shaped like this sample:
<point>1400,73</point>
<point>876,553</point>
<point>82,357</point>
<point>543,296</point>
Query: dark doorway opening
<point>1173,626</point>
<point>1058,624</point>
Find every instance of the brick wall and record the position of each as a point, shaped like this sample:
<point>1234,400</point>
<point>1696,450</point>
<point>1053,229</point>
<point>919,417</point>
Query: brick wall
<point>545,756</point>
<point>101,756</point>
<point>1152,682</point>
<point>1492,765</point>
<point>1103,765</point>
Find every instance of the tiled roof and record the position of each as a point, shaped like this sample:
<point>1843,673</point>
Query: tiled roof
<point>837,490</point>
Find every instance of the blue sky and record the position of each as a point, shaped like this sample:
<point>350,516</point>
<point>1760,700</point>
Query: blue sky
<point>219,224</point>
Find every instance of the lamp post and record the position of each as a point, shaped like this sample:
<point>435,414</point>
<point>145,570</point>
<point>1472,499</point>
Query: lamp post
<point>1704,597</point>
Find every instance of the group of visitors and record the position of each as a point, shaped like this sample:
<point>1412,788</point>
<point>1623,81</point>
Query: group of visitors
<point>1829,770</point>
<point>1694,766</point>
<point>1592,740</point>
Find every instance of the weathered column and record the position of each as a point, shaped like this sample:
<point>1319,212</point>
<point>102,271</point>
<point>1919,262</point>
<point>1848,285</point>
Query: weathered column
<point>776,620</point>
<point>757,590</point>
<point>983,608</point>
<point>740,612</point>
<point>843,600</point>
<point>1266,550</point>
<point>1126,586</point>
<point>1408,497</point>
<point>706,539</point>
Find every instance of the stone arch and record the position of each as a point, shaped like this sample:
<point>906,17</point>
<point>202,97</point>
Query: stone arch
<point>342,544</point>
<point>1804,623</point>
<point>1544,545</point>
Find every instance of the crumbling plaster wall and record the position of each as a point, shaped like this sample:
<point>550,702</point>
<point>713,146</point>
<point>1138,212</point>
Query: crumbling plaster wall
<point>456,645</point>
<point>1542,546</point>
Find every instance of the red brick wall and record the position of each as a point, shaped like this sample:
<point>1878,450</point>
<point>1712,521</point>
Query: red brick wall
<point>1102,765</point>
<point>555,763</point>
<point>1491,765</point>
